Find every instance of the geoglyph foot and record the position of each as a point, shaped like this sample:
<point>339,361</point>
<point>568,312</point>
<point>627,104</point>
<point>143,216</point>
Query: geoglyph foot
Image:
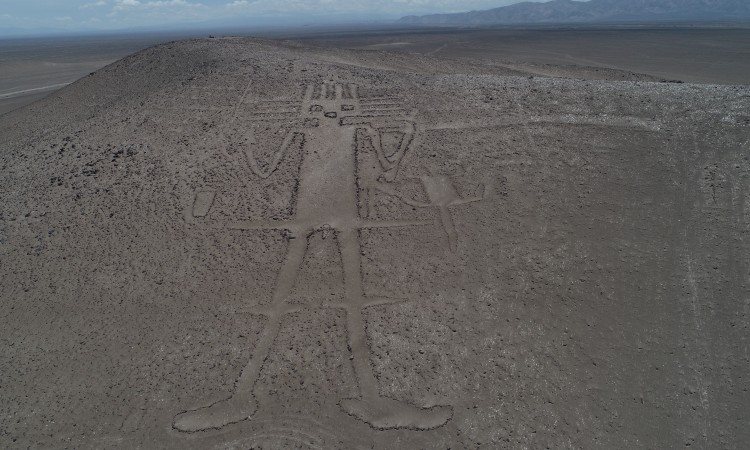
<point>216,416</point>
<point>385,413</point>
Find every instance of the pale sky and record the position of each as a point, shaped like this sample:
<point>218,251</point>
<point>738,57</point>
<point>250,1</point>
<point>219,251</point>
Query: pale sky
<point>82,15</point>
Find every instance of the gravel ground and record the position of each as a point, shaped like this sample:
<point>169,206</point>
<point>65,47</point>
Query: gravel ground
<point>237,243</point>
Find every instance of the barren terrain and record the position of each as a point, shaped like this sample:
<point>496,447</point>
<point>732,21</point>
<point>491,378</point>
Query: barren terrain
<point>238,243</point>
<point>32,68</point>
<point>694,54</point>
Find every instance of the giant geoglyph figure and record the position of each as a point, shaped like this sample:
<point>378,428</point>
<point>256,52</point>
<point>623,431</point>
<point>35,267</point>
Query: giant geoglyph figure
<point>328,199</point>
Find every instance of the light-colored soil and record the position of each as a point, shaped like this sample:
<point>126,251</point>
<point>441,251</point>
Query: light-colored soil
<point>235,243</point>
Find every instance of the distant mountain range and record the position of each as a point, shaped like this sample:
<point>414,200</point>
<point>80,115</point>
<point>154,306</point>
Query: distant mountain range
<point>569,11</point>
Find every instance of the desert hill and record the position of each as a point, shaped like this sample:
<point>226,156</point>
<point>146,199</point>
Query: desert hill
<point>235,243</point>
<point>574,11</point>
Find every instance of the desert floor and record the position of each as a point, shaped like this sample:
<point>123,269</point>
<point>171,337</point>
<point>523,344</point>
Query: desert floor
<point>31,69</point>
<point>243,243</point>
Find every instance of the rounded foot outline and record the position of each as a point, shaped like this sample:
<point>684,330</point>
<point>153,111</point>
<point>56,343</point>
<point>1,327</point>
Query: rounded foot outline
<point>216,416</point>
<point>386,413</point>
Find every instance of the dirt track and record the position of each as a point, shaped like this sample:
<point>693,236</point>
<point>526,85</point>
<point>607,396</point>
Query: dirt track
<point>238,243</point>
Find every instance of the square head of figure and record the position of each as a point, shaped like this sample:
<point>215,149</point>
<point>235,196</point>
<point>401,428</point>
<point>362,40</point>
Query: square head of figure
<point>330,101</point>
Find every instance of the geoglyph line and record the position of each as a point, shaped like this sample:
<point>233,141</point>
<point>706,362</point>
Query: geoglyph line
<point>31,90</point>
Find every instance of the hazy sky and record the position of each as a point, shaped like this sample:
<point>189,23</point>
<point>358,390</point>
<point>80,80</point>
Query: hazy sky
<point>75,15</point>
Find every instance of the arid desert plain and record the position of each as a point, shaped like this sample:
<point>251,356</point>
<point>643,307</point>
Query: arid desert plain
<point>237,243</point>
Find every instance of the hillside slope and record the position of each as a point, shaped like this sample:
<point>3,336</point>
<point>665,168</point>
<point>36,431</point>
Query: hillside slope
<point>235,243</point>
